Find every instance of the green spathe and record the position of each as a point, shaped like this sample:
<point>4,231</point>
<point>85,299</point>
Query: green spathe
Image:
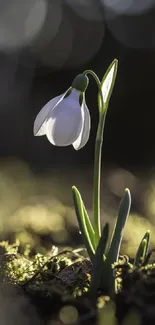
<point>80,82</point>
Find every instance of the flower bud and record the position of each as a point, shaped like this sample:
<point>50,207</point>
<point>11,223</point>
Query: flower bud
<point>80,82</point>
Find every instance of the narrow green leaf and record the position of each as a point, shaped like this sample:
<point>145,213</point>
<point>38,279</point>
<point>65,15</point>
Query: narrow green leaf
<point>114,248</point>
<point>98,261</point>
<point>89,226</point>
<point>123,212</point>
<point>142,249</point>
<point>84,224</point>
<point>107,84</point>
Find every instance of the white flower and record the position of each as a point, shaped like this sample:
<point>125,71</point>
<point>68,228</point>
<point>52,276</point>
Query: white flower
<point>65,119</point>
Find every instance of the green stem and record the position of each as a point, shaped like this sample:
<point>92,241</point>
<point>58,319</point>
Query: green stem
<point>98,82</point>
<point>97,178</point>
<point>97,161</point>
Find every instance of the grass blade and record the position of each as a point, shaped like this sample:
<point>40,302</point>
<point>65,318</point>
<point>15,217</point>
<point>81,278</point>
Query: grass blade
<point>123,213</point>
<point>98,262</point>
<point>113,252</point>
<point>84,223</point>
<point>89,226</point>
<point>142,250</point>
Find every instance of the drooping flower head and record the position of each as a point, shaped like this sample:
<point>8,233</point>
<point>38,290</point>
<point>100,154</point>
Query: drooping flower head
<point>65,119</point>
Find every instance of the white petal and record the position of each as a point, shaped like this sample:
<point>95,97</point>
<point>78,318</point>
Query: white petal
<point>65,121</point>
<point>40,120</point>
<point>85,132</point>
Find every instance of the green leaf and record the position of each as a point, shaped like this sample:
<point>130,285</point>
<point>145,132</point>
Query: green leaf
<point>107,85</point>
<point>142,249</point>
<point>114,248</point>
<point>84,223</point>
<point>98,261</point>
<point>90,229</point>
<point>123,212</point>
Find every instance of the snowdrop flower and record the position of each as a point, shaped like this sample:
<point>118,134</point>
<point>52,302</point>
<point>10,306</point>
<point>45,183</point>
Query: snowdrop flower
<point>65,119</point>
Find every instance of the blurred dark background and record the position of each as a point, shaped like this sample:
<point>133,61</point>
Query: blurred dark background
<point>43,45</point>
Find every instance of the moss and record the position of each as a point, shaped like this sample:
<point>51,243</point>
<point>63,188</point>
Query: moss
<point>63,278</point>
<point>66,269</point>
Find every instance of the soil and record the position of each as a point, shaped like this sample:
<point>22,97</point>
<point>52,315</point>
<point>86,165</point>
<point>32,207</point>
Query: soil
<point>54,289</point>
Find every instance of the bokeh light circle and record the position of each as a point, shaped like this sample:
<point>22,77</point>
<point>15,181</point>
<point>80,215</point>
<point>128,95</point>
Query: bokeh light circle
<point>129,7</point>
<point>68,315</point>
<point>86,9</point>
<point>20,22</point>
<point>129,30</point>
<point>57,51</point>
